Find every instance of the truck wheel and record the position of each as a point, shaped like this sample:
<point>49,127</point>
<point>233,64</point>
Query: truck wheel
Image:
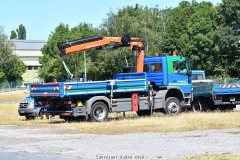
<point>195,106</point>
<point>173,106</point>
<point>40,114</point>
<point>99,112</point>
<point>143,113</point>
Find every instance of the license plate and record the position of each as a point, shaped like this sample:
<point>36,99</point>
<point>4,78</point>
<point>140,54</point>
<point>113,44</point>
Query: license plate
<point>21,111</point>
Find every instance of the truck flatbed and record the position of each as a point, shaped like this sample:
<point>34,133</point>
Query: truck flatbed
<point>63,89</point>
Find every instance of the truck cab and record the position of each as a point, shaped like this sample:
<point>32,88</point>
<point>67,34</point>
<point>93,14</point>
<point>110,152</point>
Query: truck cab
<point>167,72</point>
<point>213,94</point>
<point>198,75</point>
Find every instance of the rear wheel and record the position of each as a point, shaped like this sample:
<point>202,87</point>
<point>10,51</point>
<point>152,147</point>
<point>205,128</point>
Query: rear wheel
<point>195,106</point>
<point>172,106</point>
<point>99,112</point>
<point>40,114</point>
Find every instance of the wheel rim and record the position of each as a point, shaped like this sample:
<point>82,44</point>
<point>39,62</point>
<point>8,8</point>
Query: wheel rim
<point>173,108</point>
<point>99,112</point>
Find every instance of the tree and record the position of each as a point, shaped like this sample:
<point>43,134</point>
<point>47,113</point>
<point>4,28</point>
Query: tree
<point>21,31</point>
<point>13,35</point>
<point>227,37</point>
<point>11,68</point>
<point>176,28</point>
<point>138,21</point>
<point>199,44</point>
<point>51,61</point>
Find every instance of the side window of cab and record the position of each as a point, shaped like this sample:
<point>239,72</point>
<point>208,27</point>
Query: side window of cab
<point>145,68</point>
<point>156,67</point>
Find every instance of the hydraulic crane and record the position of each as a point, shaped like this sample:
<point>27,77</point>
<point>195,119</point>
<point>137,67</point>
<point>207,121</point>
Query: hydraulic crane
<point>101,42</point>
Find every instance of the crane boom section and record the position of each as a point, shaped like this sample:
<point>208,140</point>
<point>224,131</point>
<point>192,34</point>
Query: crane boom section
<point>97,42</point>
<point>100,42</point>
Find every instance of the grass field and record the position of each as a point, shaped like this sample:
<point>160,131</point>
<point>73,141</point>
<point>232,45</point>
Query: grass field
<point>116,124</point>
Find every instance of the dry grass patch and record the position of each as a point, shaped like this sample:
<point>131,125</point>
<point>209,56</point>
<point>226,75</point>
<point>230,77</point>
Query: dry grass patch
<point>12,97</point>
<point>215,157</point>
<point>116,124</point>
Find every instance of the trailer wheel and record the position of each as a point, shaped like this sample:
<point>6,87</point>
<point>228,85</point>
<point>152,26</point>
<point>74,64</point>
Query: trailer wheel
<point>99,112</point>
<point>173,106</point>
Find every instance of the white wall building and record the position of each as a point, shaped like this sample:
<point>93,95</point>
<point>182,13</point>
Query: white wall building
<point>29,51</point>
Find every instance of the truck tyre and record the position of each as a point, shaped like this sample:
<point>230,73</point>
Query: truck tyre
<point>40,114</point>
<point>195,106</point>
<point>172,106</point>
<point>143,113</point>
<point>99,112</point>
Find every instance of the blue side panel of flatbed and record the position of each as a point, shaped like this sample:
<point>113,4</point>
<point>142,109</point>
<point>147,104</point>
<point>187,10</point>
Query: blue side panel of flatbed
<point>220,89</point>
<point>62,89</point>
<point>216,89</point>
<point>206,90</point>
<point>130,76</point>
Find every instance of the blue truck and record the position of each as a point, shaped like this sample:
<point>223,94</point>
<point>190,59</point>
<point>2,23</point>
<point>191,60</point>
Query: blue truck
<point>213,94</point>
<point>157,83</point>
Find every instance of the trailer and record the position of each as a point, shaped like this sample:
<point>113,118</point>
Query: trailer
<point>211,94</point>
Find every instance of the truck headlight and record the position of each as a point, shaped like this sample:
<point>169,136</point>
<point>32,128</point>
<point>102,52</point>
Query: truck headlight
<point>31,105</point>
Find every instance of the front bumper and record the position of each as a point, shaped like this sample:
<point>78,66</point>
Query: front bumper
<point>28,112</point>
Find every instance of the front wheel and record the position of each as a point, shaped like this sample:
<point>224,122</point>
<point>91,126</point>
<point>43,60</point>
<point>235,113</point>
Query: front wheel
<point>99,112</point>
<point>172,106</point>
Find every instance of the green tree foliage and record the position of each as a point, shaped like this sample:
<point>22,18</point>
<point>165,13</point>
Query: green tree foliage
<point>176,31</point>
<point>11,68</point>
<point>138,21</point>
<point>227,37</point>
<point>21,32</point>
<point>207,34</point>
<point>52,62</point>
<point>200,46</point>
<point>13,35</point>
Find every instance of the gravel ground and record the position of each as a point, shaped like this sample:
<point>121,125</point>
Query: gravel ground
<point>43,143</point>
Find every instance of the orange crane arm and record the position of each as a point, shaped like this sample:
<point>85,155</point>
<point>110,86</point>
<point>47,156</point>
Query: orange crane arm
<point>100,42</point>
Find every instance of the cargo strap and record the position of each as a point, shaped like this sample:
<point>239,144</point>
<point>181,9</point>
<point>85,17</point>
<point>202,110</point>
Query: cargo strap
<point>67,70</point>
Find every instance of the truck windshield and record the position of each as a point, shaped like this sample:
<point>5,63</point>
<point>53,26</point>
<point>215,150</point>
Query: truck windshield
<point>184,66</point>
<point>189,66</point>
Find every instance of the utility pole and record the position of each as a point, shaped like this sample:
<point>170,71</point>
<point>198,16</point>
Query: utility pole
<point>85,68</point>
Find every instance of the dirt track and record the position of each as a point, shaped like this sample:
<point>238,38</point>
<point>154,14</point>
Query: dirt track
<point>43,143</point>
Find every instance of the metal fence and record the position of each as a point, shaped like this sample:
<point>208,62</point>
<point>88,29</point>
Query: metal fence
<point>227,80</point>
<point>13,86</point>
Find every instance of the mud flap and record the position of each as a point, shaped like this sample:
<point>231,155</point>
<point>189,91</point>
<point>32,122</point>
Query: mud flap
<point>79,111</point>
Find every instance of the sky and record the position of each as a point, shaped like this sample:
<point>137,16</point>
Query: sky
<point>41,17</point>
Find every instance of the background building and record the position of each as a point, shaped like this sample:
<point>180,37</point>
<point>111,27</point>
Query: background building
<point>29,51</point>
